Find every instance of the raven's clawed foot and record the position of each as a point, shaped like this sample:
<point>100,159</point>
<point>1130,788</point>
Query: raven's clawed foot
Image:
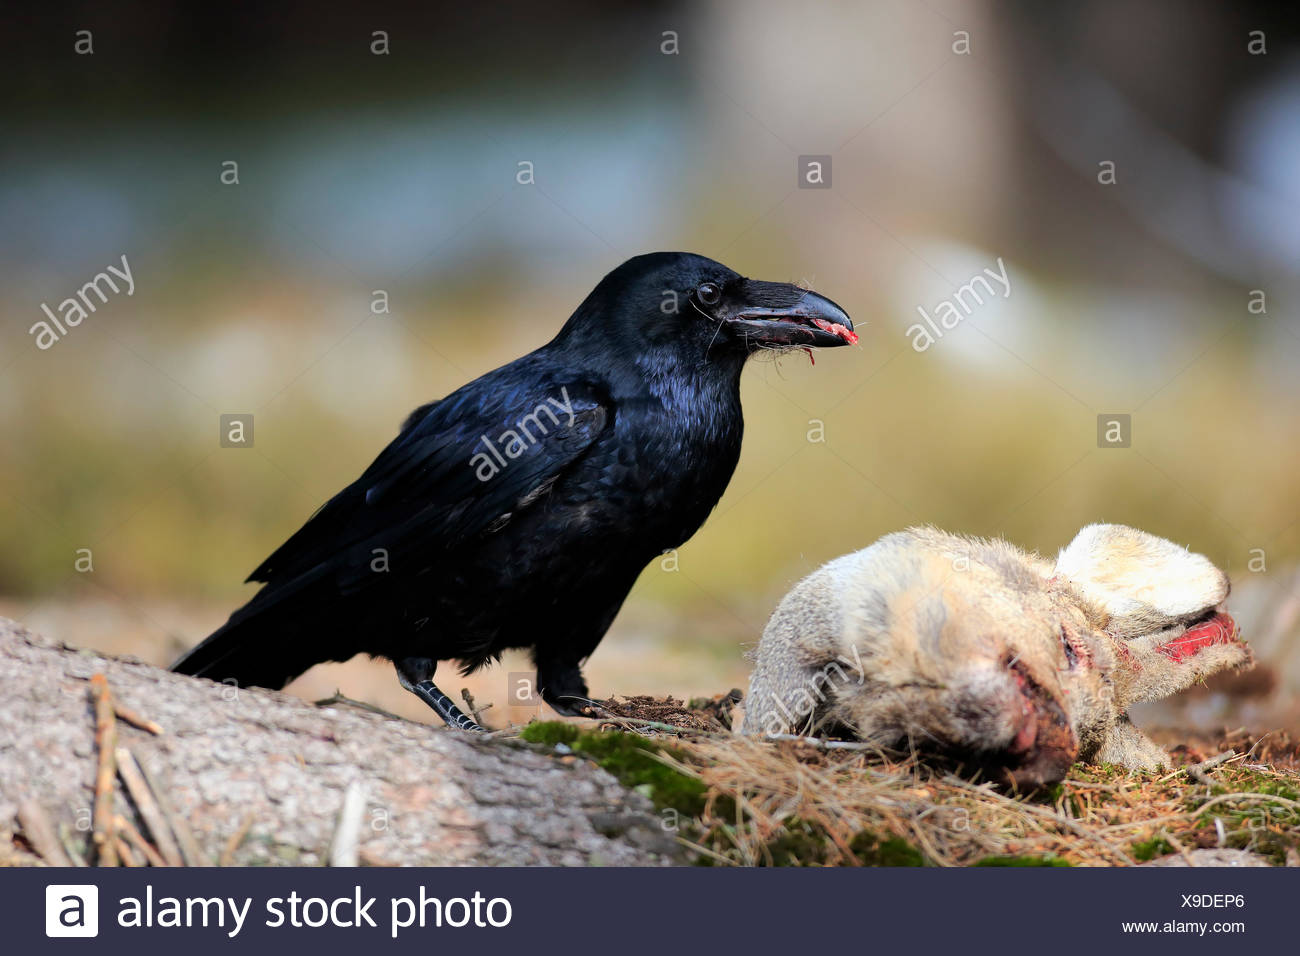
<point>562,687</point>
<point>455,718</point>
<point>575,707</point>
<point>415,674</point>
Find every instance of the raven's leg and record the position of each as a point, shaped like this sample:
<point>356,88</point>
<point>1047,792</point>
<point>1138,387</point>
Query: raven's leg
<point>416,675</point>
<point>563,687</point>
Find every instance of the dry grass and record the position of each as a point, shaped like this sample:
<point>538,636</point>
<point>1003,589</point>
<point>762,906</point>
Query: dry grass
<point>795,802</point>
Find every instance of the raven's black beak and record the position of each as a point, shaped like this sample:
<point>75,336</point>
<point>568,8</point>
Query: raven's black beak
<point>776,313</point>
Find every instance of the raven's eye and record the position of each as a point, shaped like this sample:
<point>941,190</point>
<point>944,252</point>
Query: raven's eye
<point>709,293</point>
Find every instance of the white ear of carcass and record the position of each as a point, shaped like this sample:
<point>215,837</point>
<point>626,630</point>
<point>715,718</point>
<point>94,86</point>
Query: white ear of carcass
<point>1130,573</point>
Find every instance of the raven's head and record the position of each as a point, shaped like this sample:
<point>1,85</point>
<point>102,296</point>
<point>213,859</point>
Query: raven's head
<point>681,298</point>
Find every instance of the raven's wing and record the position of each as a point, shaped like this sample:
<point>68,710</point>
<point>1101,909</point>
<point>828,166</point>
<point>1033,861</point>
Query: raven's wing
<point>471,461</point>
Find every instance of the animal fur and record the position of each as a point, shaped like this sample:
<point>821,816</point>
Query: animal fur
<point>977,649</point>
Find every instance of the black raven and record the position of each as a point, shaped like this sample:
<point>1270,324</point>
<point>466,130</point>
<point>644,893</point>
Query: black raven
<point>518,511</point>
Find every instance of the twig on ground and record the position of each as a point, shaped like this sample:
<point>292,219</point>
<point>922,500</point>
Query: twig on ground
<point>1255,746</point>
<point>474,709</point>
<point>39,832</point>
<point>1089,785</point>
<point>129,770</point>
<point>123,850</point>
<point>1198,772</point>
<point>191,852</point>
<point>135,720</point>
<point>1264,797</point>
<point>716,857</point>
<point>106,848</point>
<point>69,847</point>
<point>136,839</point>
<point>821,744</point>
<point>347,835</point>
<point>236,838</point>
<point>1177,844</point>
<point>338,698</point>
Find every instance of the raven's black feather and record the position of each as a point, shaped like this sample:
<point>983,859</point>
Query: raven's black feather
<point>629,427</point>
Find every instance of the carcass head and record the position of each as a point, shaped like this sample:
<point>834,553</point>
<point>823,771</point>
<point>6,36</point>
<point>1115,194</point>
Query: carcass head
<point>1156,606</point>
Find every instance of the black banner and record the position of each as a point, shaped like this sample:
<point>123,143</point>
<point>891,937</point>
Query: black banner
<point>646,911</point>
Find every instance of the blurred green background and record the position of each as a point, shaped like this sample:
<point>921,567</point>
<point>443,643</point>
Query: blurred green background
<point>960,134</point>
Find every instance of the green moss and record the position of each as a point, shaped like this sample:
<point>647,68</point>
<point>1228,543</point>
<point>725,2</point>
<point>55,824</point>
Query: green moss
<point>1105,772</point>
<point>1262,826</point>
<point>798,844</point>
<point>1263,783</point>
<point>873,850</point>
<point>1146,850</point>
<point>631,759</point>
<point>1050,795</point>
<point>1022,861</point>
<point>549,732</point>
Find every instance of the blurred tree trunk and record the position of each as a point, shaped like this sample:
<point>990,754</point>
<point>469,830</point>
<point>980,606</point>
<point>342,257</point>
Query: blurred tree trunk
<point>278,767</point>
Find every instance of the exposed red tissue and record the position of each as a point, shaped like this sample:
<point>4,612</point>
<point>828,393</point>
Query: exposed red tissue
<point>1220,629</point>
<point>834,328</point>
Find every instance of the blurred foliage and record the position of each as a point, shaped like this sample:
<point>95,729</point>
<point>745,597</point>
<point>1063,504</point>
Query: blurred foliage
<point>361,172</point>
<point>107,452</point>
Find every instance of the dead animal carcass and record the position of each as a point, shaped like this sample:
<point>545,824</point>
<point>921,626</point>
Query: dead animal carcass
<point>976,649</point>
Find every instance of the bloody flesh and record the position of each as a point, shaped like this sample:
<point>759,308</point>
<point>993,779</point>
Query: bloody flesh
<point>1218,629</point>
<point>834,328</point>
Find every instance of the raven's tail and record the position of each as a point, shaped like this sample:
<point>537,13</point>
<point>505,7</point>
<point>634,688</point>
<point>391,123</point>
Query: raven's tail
<point>260,646</point>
